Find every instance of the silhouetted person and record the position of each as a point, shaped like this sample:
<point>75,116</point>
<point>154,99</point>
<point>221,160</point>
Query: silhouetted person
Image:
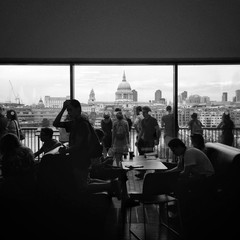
<point>227,126</point>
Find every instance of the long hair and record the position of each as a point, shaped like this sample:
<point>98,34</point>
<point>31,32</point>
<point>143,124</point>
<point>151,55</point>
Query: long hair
<point>8,143</point>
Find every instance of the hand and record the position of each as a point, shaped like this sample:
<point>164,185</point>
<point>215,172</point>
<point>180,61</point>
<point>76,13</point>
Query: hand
<point>62,150</point>
<point>66,103</point>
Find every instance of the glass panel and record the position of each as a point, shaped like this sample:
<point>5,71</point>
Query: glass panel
<point>36,93</point>
<point>209,91</point>
<point>105,87</point>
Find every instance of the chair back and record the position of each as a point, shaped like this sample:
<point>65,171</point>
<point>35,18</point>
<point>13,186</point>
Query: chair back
<point>160,183</point>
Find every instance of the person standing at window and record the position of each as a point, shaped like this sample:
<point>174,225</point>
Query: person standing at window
<point>168,125</point>
<point>227,126</point>
<point>195,125</point>
<point>137,126</point>
<point>3,122</point>
<point>149,134</point>
<point>106,126</point>
<point>120,137</point>
<point>13,123</point>
<point>78,144</point>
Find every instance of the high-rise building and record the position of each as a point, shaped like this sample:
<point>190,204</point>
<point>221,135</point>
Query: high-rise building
<point>135,95</point>
<point>158,95</point>
<point>224,97</point>
<point>238,95</point>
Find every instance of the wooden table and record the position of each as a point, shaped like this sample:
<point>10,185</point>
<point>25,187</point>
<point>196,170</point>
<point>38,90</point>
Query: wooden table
<point>142,163</point>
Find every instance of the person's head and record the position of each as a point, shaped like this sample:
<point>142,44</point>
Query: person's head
<point>117,109</point>
<point>2,110</point>
<point>194,116</point>
<point>106,115</point>
<point>74,108</point>
<point>11,114</point>
<point>198,141</point>
<point>177,146</point>
<point>168,108</point>
<point>8,143</point>
<point>138,110</point>
<point>15,161</point>
<point>226,116</point>
<point>119,115</point>
<point>46,134</point>
<point>146,111</point>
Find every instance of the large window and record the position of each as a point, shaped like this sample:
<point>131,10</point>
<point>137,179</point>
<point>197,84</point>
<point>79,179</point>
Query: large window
<point>100,88</point>
<point>35,91</point>
<point>209,91</point>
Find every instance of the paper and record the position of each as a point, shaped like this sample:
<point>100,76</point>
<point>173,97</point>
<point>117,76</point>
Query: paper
<point>134,166</point>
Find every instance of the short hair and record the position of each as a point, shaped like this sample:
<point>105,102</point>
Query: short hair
<point>169,108</point>
<point>48,131</point>
<point>76,104</point>
<point>194,115</point>
<point>146,108</point>
<point>117,109</point>
<point>9,142</point>
<point>176,142</point>
<point>119,115</point>
<point>139,108</point>
<point>198,140</point>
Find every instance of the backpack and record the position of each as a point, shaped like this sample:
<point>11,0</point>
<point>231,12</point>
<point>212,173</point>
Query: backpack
<point>196,127</point>
<point>94,146</point>
<point>120,133</point>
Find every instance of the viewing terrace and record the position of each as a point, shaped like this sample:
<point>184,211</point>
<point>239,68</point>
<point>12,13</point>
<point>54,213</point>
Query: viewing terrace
<point>32,139</point>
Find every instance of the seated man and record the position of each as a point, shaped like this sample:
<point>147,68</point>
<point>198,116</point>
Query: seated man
<point>48,142</point>
<point>196,172</point>
<point>193,163</point>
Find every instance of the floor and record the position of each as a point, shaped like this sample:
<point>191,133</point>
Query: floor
<point>120,231</point>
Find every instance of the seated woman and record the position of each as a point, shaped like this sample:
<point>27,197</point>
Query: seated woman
<point>18,189</point>
<point>17,166</point>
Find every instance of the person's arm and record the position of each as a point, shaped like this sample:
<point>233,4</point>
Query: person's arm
<point>40,151</point>
<point>162,123</point>
<point>177,168</point>
<point>82,134</point>
<point>158,134</point>
<point>57,121</point>
<point>127,132</point>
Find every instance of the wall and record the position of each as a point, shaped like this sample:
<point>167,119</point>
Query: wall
<point>108,30</point>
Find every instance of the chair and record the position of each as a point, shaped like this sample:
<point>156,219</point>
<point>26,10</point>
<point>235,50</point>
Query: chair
<point>158,188</point>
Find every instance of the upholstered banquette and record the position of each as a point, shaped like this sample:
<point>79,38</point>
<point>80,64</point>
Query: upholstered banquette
<point>226,162</point>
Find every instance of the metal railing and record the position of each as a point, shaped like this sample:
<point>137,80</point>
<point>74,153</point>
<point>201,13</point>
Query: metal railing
<point>32,138</point>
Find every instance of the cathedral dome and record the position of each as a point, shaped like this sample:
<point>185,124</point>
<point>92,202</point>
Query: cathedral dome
<point>124,92</point>
<point>124,86</point>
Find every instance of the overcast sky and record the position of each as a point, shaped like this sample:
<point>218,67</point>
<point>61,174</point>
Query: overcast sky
<point>30,83</point>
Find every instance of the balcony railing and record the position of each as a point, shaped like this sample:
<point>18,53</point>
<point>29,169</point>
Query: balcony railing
<point>32,139</point>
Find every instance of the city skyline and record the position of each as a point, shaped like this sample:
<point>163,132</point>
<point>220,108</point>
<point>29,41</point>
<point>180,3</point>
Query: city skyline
<point>30,83</point>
